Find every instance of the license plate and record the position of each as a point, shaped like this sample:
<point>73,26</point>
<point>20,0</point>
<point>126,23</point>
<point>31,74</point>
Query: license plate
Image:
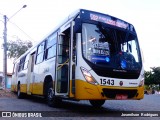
<point>121,97</point>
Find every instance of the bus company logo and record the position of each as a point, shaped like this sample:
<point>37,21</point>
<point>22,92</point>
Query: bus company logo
<point>121,83</point>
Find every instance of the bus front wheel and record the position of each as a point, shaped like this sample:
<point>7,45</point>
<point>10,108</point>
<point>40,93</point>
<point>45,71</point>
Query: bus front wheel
<point>97,103</point>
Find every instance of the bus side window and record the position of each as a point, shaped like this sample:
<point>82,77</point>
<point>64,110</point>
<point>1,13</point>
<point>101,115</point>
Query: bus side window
<point>50,50</point>
<point>21,64</point>
<point>26,62</point>
<point>15,68</point>
<point>40,53</point>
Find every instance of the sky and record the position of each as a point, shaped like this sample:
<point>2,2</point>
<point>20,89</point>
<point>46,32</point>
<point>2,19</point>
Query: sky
<point>41,16</point>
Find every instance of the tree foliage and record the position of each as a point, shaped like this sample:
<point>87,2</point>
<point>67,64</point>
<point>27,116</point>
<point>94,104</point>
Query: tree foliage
<point>153,76</point>
<point>148,77</point>
<point>17,48</point>
<point>156,75</point>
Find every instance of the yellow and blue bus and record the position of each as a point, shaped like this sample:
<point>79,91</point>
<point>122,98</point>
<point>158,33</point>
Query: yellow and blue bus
<point>90,56</point>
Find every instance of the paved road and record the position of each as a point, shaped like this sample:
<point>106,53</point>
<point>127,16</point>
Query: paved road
<point>83,109</point>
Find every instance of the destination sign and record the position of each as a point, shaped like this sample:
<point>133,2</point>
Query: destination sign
<point>108,20</point>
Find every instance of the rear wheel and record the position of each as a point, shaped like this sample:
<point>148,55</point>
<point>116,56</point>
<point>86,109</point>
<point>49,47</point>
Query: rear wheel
<point>52,100</point>
<point>97,103</point>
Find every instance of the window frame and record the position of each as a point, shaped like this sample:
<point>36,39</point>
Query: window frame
<point>21,63</point>
<point>42,51</point>
<point>51,42</point>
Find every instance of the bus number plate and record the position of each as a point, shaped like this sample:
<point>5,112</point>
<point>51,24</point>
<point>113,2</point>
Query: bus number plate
<point>121,97</point>
<point>107,82</point>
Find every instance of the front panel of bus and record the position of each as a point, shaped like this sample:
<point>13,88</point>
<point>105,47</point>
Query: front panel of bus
<point>109,64</point>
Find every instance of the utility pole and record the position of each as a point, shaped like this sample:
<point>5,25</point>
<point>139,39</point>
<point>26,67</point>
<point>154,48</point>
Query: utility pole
<point>5,53</point>
<point>4,80</point>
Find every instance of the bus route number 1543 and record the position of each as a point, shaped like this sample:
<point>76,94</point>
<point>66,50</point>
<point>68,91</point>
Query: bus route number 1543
<point>107,82</point>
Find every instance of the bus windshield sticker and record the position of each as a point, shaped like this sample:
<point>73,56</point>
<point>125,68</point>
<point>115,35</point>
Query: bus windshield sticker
<point>100,48</point>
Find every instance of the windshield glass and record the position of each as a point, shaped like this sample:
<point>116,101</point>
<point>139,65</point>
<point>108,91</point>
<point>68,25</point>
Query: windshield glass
<point>109,47</point>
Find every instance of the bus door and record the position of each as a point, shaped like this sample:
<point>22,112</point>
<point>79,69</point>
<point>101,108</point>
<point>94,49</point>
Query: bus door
<point>31,77</point>
<point>63,64</point>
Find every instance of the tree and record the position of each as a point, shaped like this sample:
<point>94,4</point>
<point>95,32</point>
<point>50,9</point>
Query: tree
<point>156,75</point>
<point>17,48</point>
<point>148,77</point>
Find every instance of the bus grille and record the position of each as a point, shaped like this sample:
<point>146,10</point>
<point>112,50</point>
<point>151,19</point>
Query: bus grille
<point>111,93</point>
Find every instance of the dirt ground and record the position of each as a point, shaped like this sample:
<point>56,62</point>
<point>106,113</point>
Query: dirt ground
<point>7,93</point>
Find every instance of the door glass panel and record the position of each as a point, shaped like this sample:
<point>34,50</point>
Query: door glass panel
<point>63,54</point>
<point>62,79</point>
<point>62,83</point>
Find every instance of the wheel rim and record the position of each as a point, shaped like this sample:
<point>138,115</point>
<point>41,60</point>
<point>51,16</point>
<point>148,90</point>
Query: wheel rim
<point>50,94</point>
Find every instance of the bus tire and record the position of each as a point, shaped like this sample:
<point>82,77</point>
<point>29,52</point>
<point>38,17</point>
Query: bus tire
<point>97,103</point>
<point>51,98</point>
<point>19,94</point>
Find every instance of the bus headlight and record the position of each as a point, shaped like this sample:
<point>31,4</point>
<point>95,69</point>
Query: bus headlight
<point>87,75</point>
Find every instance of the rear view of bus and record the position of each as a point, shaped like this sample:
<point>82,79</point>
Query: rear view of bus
<point>109,63</point>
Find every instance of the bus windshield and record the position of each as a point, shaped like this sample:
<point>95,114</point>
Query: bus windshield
<point>110,47</point>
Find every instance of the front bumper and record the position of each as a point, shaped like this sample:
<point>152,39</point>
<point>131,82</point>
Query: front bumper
<point>87,91</point>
